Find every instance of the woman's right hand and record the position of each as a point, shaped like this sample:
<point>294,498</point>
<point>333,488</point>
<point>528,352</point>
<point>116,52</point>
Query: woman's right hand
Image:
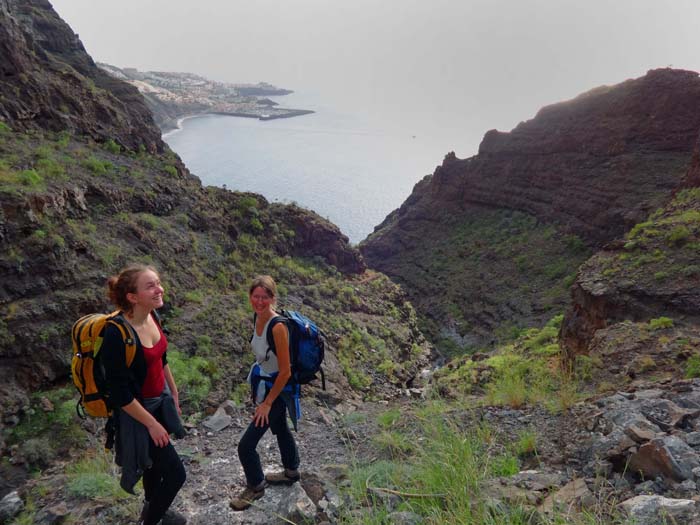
<point>158,434</point>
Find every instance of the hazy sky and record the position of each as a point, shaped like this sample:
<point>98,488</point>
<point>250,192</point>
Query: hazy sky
<point>453,68</point>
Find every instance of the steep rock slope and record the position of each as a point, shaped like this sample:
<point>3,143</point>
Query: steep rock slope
<point>636,304</point>
<point>581,173</point>
<point>48,81</point>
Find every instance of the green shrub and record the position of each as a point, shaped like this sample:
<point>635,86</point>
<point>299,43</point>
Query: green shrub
<point>193,376</point>
<point>248,202</point>
<point>49,168</point>
<point>37,451</point>
<point>395,443</point>
<point>6,338</point>
<point>38,235</point>
<point>203,345</point>
<point>171,170</point>
<point>112,147</point>
<point>645,363</point>
<point>660,323</point>
<point>194,296</point>
<point>148,221</point>
<point>584,366</point>
<point>4,128</point>
<point>62,139</point>
<point>60,424</point>
<point>692,366</point>
<point>509,389</point>
<point>240,394</point>
<point>97,166</point>
<point>575,243</point>
<point>569,280</point>
<point>678,236</point>
<point>527,443</point>
<point>389,418</point>
<point>256,225</point>
<point>58,241</point>
<point>30,178</point>
<point>691,270</point>
<point>504,465</point>
<point>95,478</point>
<point>638,229</point>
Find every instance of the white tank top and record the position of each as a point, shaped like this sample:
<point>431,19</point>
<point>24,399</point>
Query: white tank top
<point>266,360</point>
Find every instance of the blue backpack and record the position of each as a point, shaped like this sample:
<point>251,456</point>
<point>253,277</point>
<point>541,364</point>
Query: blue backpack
<point>306,346</point>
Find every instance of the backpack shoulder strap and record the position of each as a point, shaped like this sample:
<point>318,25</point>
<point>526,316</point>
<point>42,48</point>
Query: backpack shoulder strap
<point>128,336</point>
<point>270,338</point>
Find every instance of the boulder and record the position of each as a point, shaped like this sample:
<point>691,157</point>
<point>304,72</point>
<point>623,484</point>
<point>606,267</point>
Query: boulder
<point>10,506</point>
<point>574,494</point>
<point>668,457</point>
<point>666,414</point>
<point>219,420</point>
<point>654,510</point>
<point>295,505</point>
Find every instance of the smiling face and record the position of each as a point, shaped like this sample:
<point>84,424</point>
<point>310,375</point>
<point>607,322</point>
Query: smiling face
<point>261,300</point>
<point>149,292</point>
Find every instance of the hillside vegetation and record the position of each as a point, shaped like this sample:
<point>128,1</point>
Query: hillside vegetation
<point>76,211</point>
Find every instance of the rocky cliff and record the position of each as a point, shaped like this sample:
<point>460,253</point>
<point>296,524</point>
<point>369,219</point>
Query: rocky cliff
<point>49,82</point>
<point>579,174</point>
<point>636,304</point>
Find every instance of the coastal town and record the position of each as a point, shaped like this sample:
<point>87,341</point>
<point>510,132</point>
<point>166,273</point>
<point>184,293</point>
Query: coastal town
<point>172,96</point>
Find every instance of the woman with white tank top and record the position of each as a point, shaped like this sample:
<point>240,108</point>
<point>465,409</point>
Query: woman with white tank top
<point>268,377</point>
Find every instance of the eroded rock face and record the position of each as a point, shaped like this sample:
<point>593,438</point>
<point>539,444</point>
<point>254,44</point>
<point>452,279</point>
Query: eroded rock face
<point>692,178</point>
<point>593,166</point>
<point>48,81</point>
<point>313,234</point>
<point>650,274</point>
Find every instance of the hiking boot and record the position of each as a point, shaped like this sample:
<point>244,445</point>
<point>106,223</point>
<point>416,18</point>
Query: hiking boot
<point>286,477</point>
<point>173,517</point>
<point>245,499</point>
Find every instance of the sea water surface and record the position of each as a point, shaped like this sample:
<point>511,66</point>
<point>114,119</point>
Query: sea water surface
<point>348,167</point>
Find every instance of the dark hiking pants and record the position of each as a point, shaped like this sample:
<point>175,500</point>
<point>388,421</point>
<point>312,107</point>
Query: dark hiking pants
<point>162,481</point>
<point>249,441</point>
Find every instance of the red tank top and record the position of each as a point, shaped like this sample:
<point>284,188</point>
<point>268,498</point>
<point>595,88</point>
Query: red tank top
<point>155,375</point>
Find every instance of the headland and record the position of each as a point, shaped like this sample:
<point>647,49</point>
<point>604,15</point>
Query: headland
<point>174,96</point>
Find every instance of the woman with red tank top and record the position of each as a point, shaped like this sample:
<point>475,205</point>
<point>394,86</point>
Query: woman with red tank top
<point>144,396</point>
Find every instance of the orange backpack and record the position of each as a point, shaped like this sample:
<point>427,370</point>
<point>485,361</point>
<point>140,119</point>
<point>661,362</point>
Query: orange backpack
<point>88,373</point>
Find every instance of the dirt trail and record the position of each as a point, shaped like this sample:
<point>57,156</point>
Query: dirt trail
<point>214,472</point>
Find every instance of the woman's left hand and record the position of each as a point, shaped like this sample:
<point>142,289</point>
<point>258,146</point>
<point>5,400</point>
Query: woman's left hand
<point>262,413</point>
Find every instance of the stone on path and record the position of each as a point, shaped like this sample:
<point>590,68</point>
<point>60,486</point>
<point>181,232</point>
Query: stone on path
<point>295,505</point>
<point>668,457</point>
<point>574,494</point>
<point>219,420</point>
<point>654,510</point>
<point>10,506</point>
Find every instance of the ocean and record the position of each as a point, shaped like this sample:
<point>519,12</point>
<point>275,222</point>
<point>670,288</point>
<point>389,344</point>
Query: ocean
<point>349,167</point>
